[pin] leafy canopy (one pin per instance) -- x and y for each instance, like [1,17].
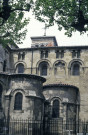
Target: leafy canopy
[72,15]
[12,21]
[13,30]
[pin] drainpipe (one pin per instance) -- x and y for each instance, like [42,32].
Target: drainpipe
[32,62]
[7,106]
[8,99]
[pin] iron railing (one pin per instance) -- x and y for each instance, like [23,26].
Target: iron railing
[46,127]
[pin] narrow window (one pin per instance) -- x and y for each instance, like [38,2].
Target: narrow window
[0,97]
[42,54]
[19,56]
[4,66]
[57,54]
[46,54]
[43,70]
[55,109]
[76,70]
[78,54]
[62,54]
[20,68]
[23,55]
[18,101]
[73,54]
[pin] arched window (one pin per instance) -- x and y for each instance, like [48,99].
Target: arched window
[20,68]
[76,70]
[43,70]
[18,101]
[0,96]
[55,109]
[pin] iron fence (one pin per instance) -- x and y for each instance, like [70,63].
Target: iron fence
[46,127]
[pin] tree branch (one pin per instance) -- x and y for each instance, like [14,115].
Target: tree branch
[6,35]
[5,13]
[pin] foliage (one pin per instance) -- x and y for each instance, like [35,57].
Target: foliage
[71,15]
[12,21]
[12,31]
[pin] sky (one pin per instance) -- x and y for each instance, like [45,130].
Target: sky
[36,28]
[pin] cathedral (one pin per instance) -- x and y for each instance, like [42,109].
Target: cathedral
[45,81]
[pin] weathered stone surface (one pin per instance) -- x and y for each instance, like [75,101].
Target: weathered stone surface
[57,74]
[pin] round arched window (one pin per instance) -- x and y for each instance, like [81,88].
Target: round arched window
[43,70]
[43,67]
[20,68]
[55,109]
[18,101]
[76,70]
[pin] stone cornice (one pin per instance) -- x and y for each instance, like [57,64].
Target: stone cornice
[24,75]
[56,47]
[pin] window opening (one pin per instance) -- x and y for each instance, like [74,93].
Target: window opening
[42,54]
[4,66]
[76,69]
[76,54]
[19,56]
[23,55]
[0,96]
[43,71]
[59,54]
[55,109]
[20,68]
[18,101]
[46,54]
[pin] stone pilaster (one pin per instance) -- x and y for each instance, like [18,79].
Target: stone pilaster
[7,106]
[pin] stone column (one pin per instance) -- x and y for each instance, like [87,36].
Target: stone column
[7,109]
[7,106]
[77,119]
[64,112]
[64,116]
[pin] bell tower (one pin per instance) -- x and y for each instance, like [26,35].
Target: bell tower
[44,41]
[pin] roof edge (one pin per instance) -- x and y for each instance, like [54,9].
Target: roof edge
[60,85]
[24,75]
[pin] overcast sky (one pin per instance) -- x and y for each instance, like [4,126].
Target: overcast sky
[35,28]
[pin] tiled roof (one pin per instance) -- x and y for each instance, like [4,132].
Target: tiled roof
[59,84]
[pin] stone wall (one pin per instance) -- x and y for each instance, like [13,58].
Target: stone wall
[68,96]
[33,59]
[4,59]
[30,86]
[31,89]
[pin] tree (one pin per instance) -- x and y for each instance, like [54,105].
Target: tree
[72,15]
[12,21]
[9,6]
